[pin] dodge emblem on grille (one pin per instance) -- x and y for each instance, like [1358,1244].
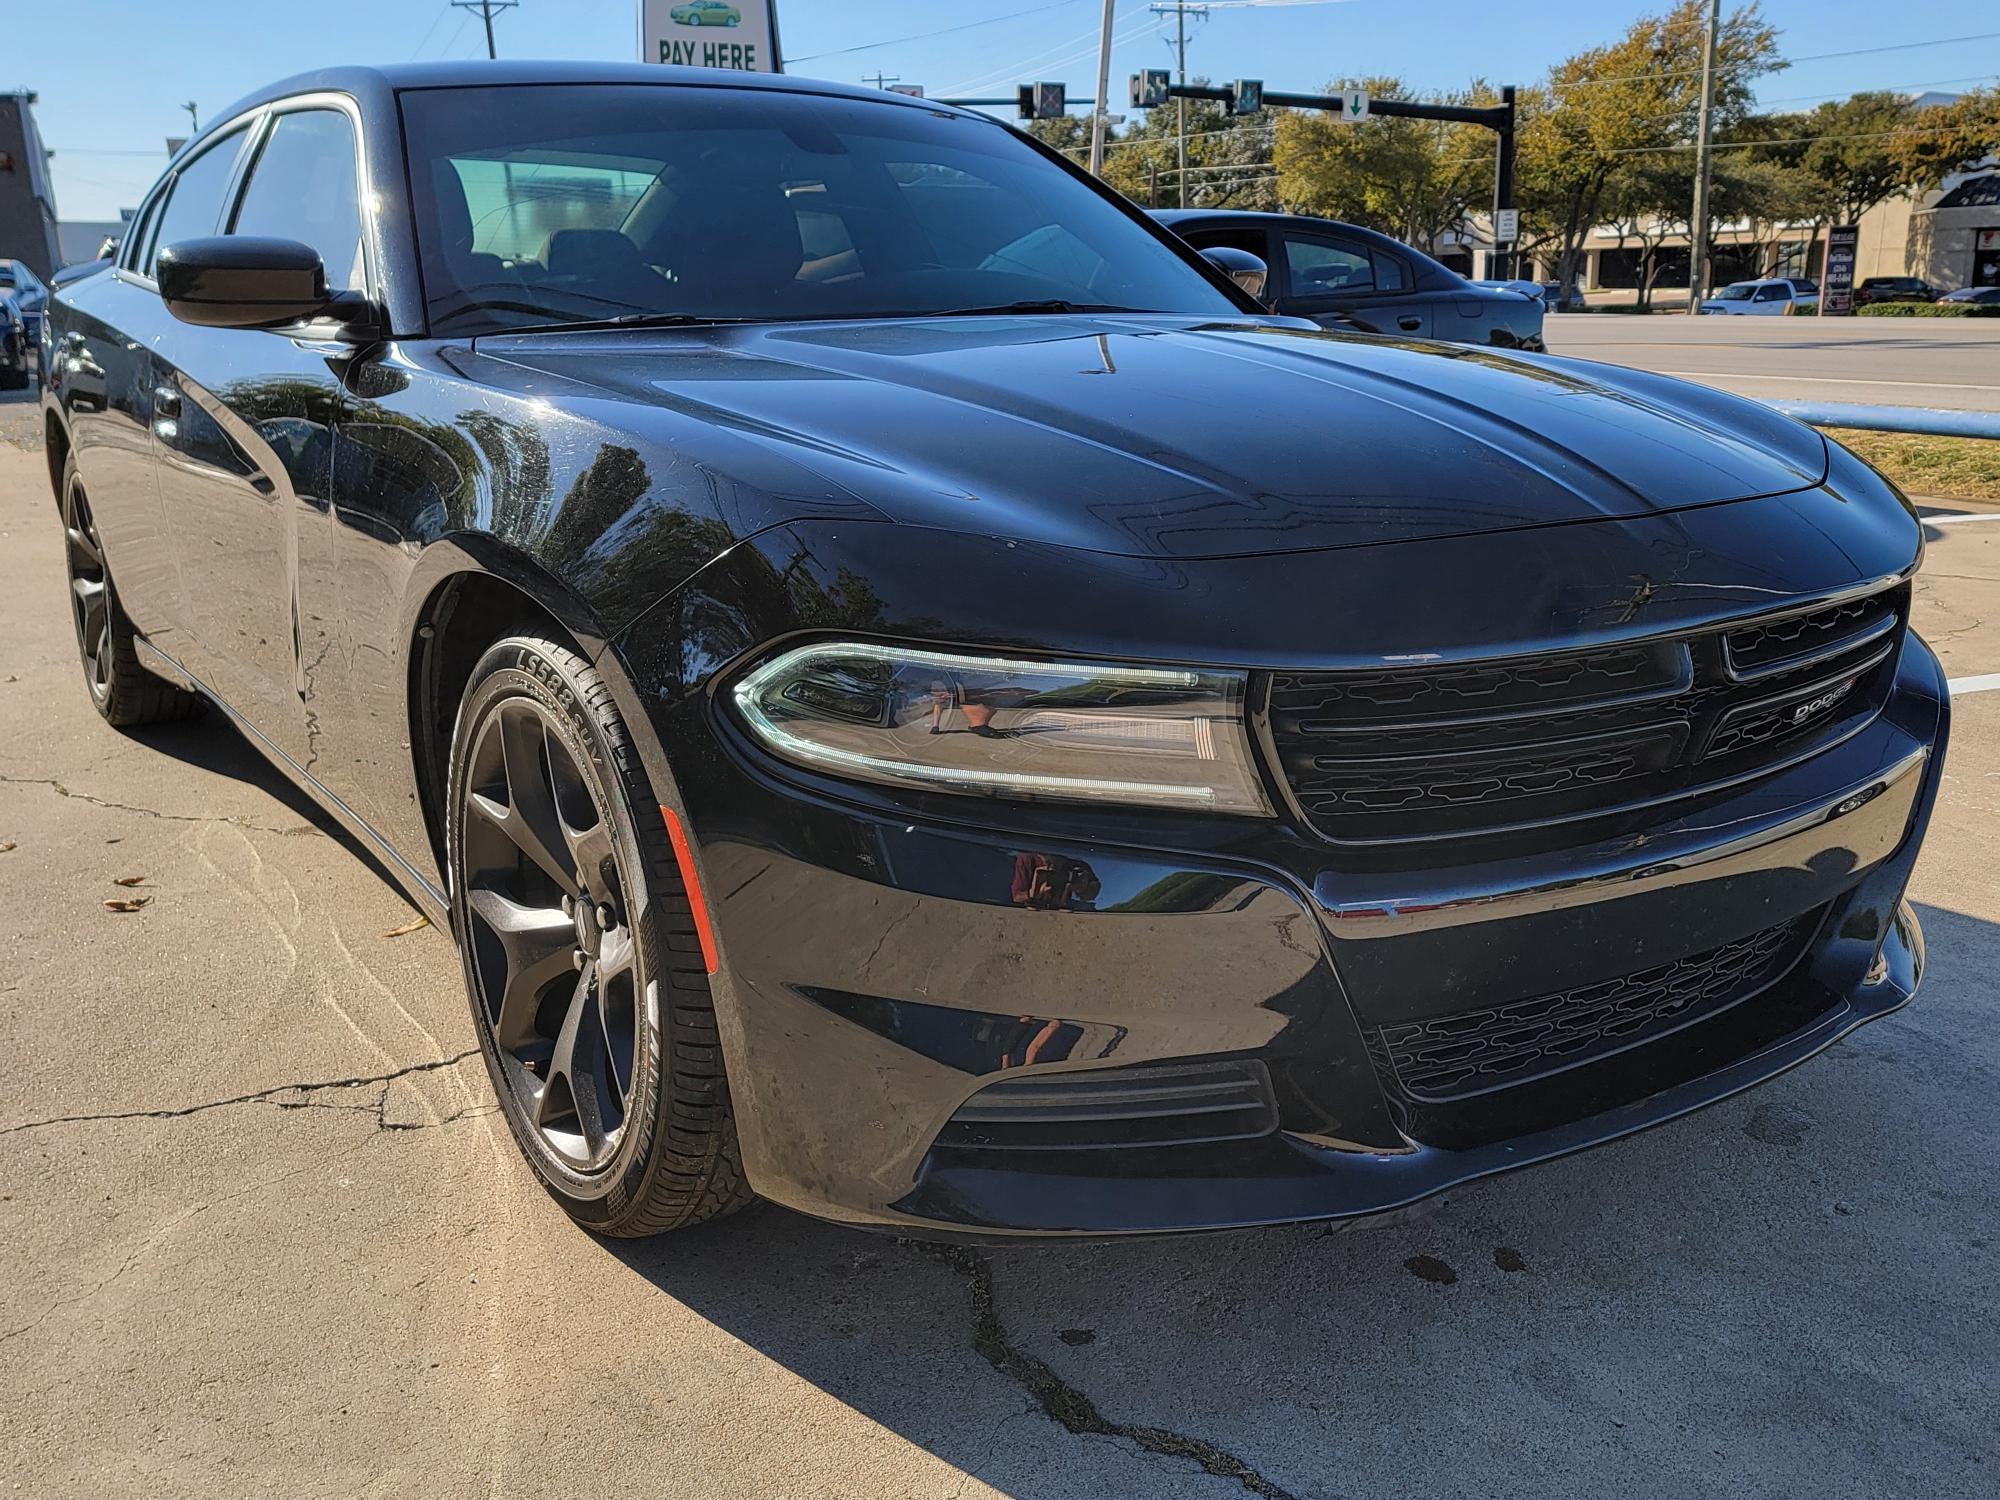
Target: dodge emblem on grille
[1822,703]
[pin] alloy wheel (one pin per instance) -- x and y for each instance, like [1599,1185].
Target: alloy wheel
[555,966]
[89,593]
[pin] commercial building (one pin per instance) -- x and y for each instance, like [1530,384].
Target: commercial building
[27,198]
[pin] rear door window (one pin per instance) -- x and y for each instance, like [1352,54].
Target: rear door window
[1326,268]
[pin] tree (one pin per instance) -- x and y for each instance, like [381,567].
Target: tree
[1844,153]
[1642,93]
[1229,158]
[1414,179]
[1946,138]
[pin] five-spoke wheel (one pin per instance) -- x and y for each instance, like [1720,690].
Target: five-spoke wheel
[555,957]
[588,984]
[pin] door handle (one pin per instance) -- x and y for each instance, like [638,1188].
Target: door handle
[166,401]
[1409,324]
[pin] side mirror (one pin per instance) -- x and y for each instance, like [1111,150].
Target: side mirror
[237,281]
[1240,266]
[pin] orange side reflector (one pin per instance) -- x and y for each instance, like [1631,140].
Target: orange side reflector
[697,903]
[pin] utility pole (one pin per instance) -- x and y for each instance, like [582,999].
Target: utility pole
[1102,107]
[883,80]
[486,10]
[1698,240]
[1181,10]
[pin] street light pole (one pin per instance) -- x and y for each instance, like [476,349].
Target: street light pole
[1698,239]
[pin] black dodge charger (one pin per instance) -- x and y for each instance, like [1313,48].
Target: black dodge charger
[917,699]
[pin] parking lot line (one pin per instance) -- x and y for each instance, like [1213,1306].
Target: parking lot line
[1960,520]
[1985,683]
[1807,379]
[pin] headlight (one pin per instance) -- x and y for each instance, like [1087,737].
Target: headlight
[990,725]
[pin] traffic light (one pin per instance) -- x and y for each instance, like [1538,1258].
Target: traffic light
[1149,89]
[1246,96]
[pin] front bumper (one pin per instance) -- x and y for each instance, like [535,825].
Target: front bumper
[878,973]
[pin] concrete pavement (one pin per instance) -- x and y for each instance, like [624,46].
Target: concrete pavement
[1893,361]
[261,1231]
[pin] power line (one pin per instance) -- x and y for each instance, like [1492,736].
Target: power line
[1070,51]
[1793,140]
[1942,41]
[924,36]
[429,32]
[485,10]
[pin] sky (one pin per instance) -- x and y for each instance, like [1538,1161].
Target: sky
[113,74]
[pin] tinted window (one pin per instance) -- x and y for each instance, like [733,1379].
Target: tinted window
[1322,268]
[1772,294]
[1247,239]
[1389,275]
[302,188]
[540,203]
[194,203]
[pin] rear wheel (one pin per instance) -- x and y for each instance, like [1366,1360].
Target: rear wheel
[588,987]
[124,692]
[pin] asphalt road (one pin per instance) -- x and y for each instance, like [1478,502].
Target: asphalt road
[1893,361]
[261,1231]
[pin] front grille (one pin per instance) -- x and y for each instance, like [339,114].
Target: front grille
[1476,1051]
[1427,752]
[1154,1104]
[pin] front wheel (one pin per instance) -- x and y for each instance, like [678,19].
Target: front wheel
[588,986]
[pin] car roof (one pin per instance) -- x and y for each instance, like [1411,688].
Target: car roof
[1177,216]
[378,81]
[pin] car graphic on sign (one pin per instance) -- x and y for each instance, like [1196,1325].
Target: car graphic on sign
[706,13]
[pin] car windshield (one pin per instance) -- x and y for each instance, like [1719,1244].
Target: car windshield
[555,204]
[1738,291]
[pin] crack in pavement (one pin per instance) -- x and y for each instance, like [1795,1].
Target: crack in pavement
[270,1096]
[299,830]
[1063,1402]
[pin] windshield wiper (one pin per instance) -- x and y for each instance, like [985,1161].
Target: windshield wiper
[628,320]
[1031,305]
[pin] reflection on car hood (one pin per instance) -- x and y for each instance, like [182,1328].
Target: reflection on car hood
[1173,438]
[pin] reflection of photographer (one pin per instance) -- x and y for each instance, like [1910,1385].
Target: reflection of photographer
[975,703]
[1049,882]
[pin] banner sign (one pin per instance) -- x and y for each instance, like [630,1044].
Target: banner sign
[1985,257]
[1836,288]
[739,34]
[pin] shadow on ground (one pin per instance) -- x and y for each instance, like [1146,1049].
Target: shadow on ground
[1714,1300]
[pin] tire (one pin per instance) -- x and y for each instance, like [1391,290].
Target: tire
[582,964]
[121,690]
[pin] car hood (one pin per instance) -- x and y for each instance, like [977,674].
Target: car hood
[1173,438]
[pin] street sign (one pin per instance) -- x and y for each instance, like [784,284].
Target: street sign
[1246,96]
[1506,225]
[737,34]
[1837,286]
[1149,89]
[1041,101]
[911,90]
[1353,106]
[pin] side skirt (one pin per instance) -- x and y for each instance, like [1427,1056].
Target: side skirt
[429,899]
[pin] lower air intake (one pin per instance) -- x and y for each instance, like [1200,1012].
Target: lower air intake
[1155,1104]
[1473,1052]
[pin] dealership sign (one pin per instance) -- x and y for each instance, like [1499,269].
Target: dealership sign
[739,34]
[1843,241]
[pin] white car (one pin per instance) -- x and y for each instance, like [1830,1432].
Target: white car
[1770,298]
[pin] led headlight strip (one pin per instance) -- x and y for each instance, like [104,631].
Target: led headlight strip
[1006,726]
